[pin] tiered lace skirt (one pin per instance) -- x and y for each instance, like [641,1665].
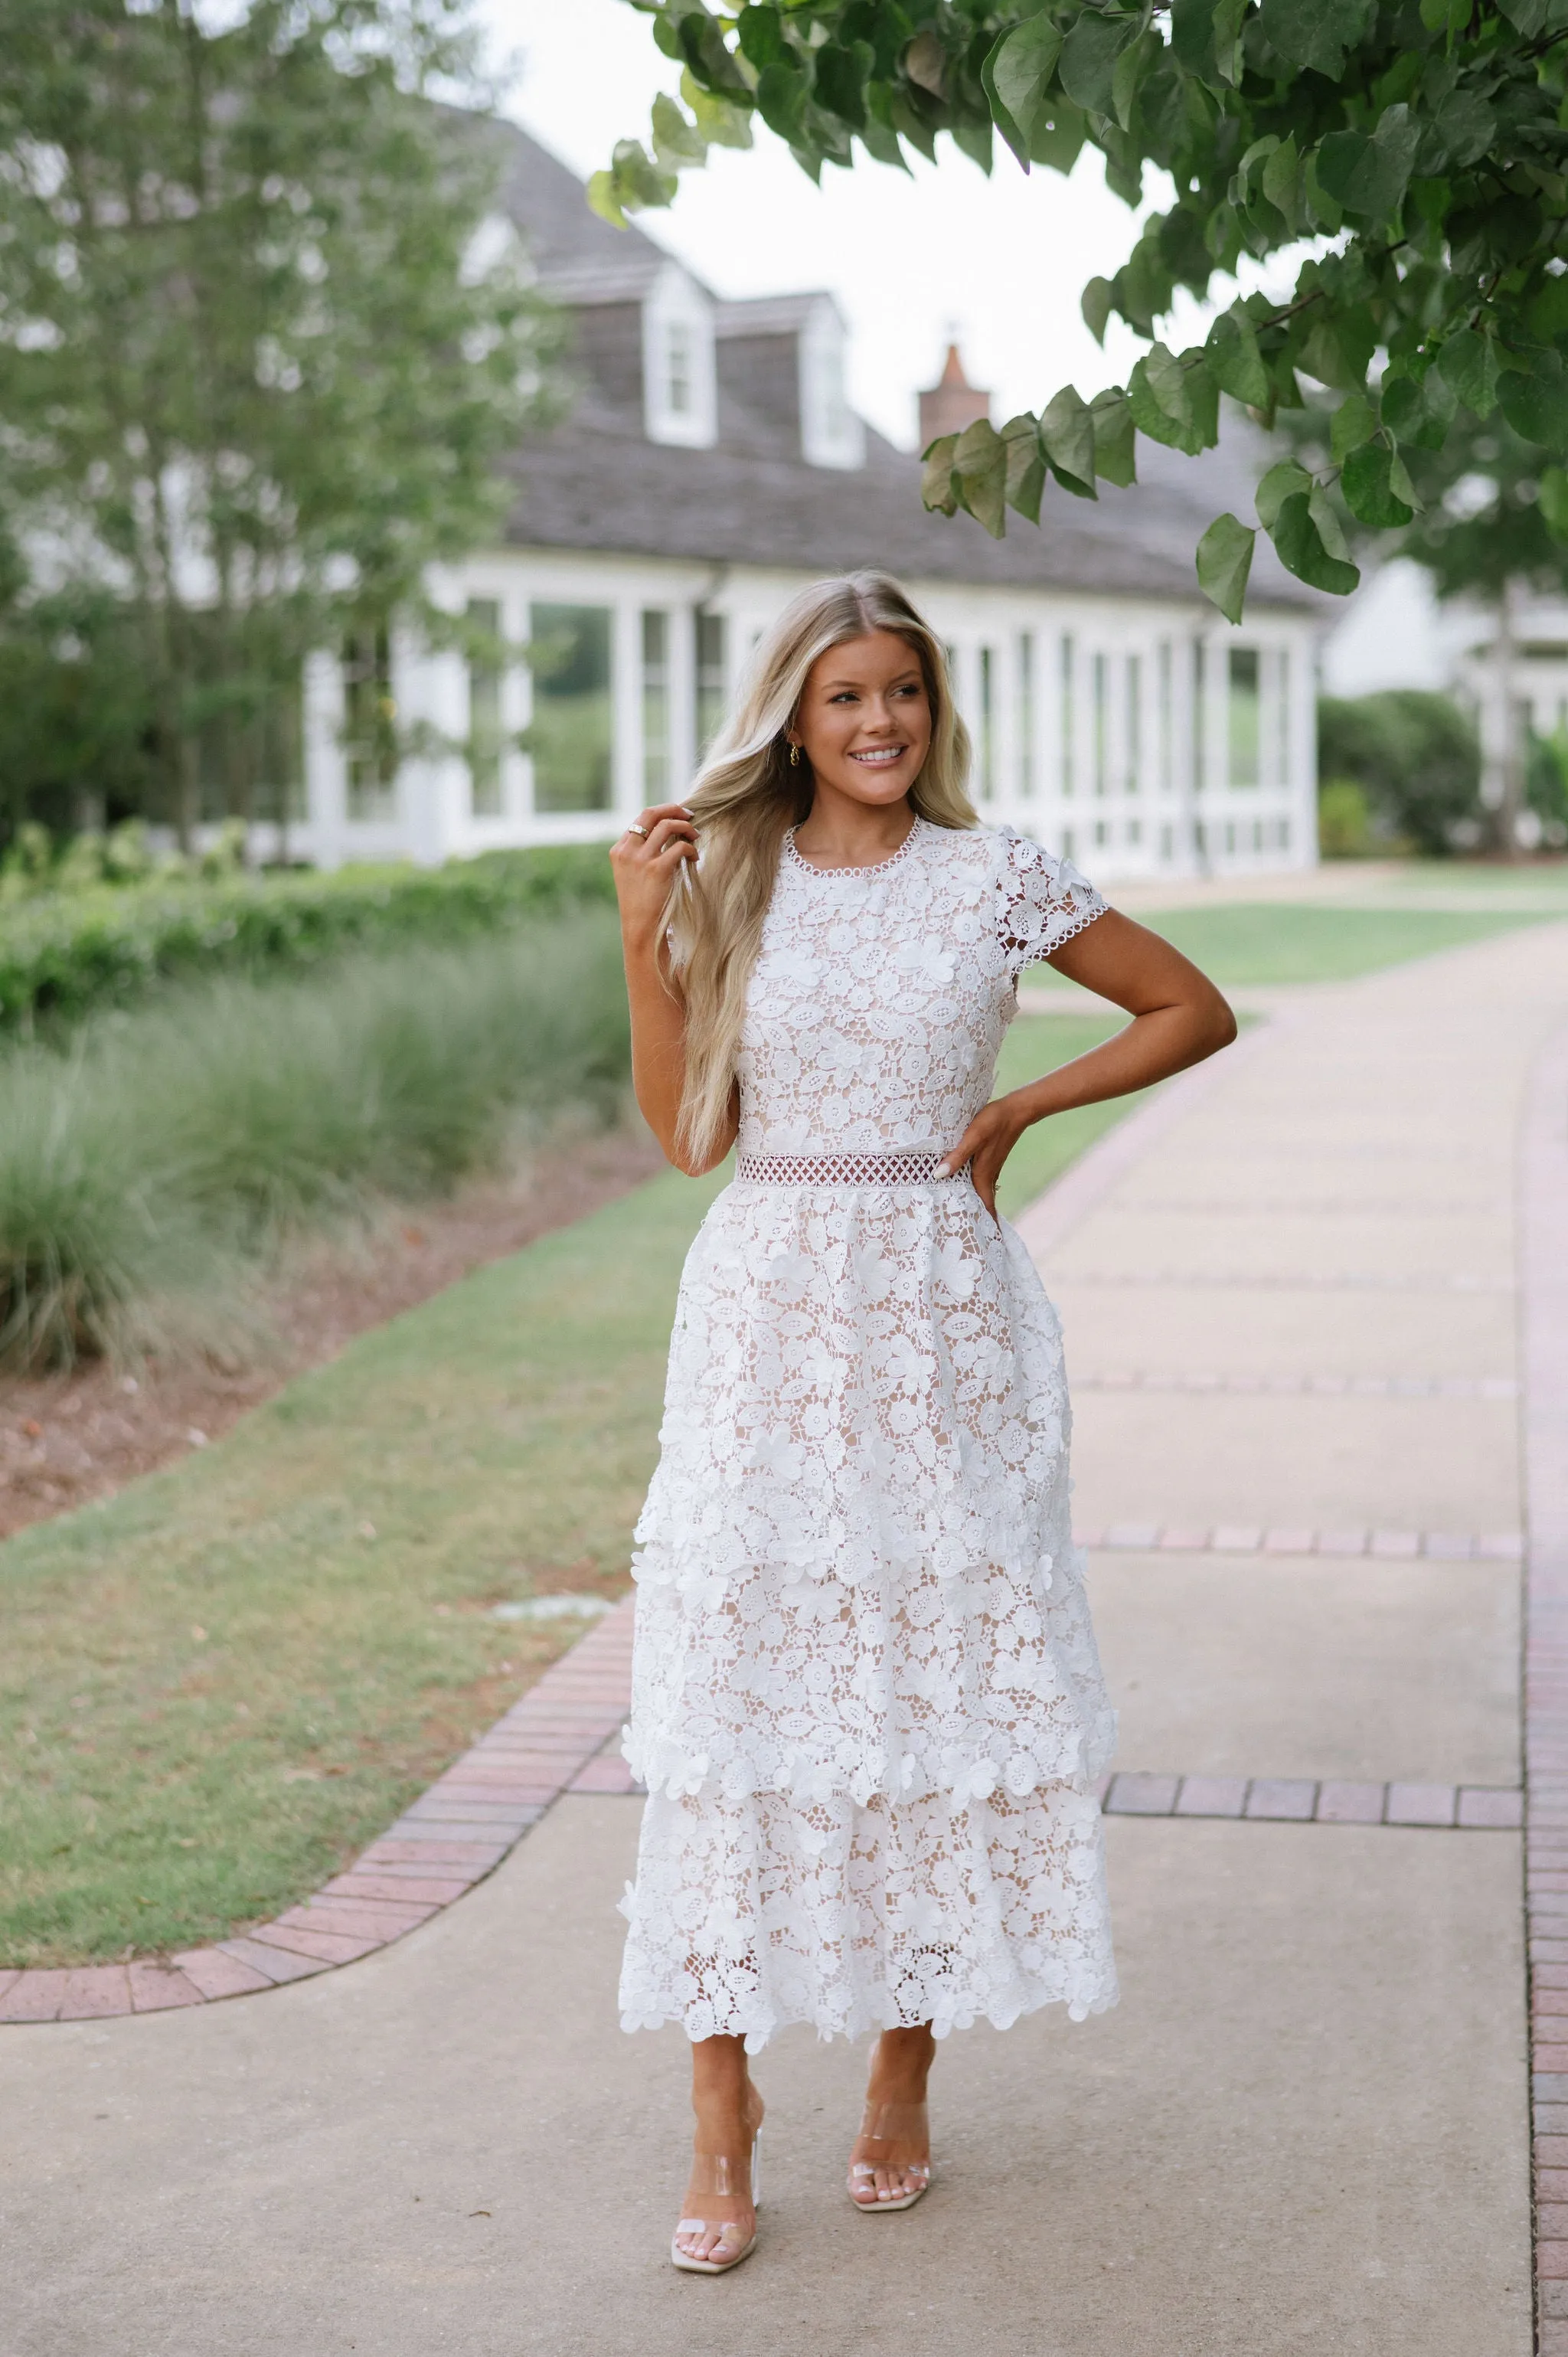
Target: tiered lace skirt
[866,1699]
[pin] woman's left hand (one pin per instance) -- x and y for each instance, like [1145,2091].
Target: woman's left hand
[986,1146]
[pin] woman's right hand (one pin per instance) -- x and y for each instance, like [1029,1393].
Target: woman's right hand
[645,860]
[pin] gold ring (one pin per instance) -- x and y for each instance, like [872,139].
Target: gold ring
[639,830]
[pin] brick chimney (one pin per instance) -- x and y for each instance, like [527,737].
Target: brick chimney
[951,403]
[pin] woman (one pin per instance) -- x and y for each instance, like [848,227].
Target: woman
[867,1700]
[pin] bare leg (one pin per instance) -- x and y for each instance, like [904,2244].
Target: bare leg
[899,2162]
[729,2112]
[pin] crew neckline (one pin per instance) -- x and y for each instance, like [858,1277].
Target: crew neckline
[876,867]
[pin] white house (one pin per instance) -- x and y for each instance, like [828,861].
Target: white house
[711,464]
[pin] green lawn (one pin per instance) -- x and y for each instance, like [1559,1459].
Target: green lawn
[1266,941]
[219,1685]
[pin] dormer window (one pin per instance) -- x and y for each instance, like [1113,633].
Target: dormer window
[679,399]
[831,433]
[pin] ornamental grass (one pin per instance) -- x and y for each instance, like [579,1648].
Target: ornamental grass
[152,1169]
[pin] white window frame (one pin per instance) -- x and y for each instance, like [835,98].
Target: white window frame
[677,317]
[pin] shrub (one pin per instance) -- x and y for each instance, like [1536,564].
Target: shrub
[1344,821]
[64,954]
[143,1170]
[1416,756]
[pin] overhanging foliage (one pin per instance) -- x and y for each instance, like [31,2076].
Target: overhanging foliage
[1416,148]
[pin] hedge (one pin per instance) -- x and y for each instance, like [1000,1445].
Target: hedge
[65,954]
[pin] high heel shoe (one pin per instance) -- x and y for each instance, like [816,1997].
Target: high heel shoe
[891,2123]
[714,2172]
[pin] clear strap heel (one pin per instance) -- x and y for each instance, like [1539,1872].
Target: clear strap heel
[715,2173]
[889,2124]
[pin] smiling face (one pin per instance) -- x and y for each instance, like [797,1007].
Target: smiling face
[865,720]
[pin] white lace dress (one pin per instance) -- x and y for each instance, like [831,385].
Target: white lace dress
[867,1700]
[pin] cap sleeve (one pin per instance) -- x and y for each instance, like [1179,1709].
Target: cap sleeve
[1041,901]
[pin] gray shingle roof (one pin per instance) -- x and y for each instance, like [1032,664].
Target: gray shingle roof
[597,483]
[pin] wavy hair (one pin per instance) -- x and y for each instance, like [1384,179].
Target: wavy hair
[745,798]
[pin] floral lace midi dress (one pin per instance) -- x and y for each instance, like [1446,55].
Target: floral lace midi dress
[867,1700]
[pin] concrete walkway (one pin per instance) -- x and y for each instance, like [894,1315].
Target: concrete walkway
[1303,2134]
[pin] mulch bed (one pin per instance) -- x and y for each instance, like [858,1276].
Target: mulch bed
[68,1439]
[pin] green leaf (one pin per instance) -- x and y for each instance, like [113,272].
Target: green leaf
[1131,68]
[1095,304]
[1553,501]
[675,141]
[1017,75]
[603,200]
[1369,177]
[1299,546]
[935,482]
[1537,407]
[1227,22]
[1314,33]
[761,34]
[1354,423]
[839,76]
[1175,401]
[1282,182]
[1026,468]
[1401,484]
[1469,366]
[1058,134]
[1282,482]
[781,102]
[1224,562]
[1115,456]
[1321,509]
[1089,56]
[1067,436]
[705,50]
[1369,493]
[1235,360]
[980,475]
[720,122]
[1339,348]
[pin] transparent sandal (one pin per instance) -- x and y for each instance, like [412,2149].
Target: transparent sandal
[714,2172]
[890,2124]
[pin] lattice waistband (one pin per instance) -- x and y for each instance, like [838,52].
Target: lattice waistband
[838,1169]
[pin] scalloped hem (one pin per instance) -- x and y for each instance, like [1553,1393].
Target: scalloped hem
[869,2019]
[685,1779]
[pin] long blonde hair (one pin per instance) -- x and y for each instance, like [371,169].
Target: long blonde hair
[747,795]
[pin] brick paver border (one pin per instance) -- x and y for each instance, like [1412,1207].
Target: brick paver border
[1258,1538]
[454,1835]
[1545,1240]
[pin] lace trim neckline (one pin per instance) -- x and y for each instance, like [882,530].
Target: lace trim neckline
[877,867]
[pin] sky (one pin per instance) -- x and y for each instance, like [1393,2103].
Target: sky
[1001,263]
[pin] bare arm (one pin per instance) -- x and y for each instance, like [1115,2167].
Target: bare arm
[1178,1018]
[646,864]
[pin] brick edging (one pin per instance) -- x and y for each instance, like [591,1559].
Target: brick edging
[1543,1207]
[455,1834]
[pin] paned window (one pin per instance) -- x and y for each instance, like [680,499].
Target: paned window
[485,709]
[1102,693]
[1243,722]
[655,705]
[370,725]
[711,680]
[1134,749]
[987,730]
[1164,715]
[1068,712]
[572,734]
[1025,713]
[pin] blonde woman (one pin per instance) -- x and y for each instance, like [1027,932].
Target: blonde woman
[867,1704]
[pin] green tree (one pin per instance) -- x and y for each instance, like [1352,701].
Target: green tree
[1487,524]
[256,371]
[1413,755]
[1415,148]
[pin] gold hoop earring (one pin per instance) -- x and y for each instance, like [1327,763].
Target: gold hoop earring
[794,757]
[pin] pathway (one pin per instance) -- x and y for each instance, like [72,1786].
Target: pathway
[1303,2134]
